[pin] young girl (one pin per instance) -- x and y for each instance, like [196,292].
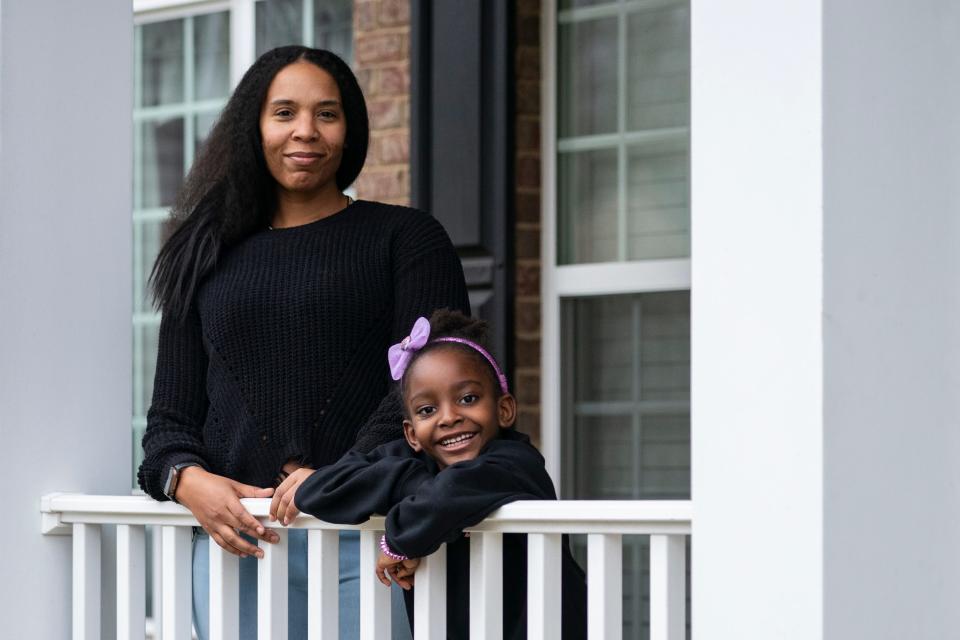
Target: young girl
[460,460]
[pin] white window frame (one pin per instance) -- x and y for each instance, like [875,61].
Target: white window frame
[579,280]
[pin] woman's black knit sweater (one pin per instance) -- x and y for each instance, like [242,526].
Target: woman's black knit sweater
[283,354]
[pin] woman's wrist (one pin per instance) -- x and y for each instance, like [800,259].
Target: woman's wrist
[188,478]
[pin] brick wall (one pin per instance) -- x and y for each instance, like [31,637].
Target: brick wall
[381,31]
[527,204]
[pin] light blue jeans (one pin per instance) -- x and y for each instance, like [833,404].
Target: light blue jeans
[296,591]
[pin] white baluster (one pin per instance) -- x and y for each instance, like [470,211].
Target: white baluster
[604,587]
[272,590]
[486,585]
[224,593]
[86,581]
[131,582]
[543,586]
[667,587]
[177,581]
[374,597]
[323,584]
[156,595]
[430,597]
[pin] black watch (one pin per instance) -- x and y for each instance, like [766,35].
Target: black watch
[173,479]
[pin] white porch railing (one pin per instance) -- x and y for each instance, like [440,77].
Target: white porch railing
[605,522]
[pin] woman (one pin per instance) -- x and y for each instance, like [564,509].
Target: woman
[280,297]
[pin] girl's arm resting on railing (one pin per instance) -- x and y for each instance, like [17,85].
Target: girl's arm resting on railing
[465,493]
[362,484]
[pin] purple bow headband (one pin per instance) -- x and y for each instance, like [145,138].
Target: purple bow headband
[400,354]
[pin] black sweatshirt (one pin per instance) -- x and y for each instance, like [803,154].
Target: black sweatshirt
[426,507]
[283,354]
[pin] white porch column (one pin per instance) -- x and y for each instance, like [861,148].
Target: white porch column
[891,327]
[825,319]
[65,289]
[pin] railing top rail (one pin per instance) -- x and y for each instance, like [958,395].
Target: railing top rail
[534,516]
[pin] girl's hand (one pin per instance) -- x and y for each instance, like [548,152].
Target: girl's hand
[215,502]
[401,571]
[282,507]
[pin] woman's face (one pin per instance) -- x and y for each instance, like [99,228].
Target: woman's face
[303,128]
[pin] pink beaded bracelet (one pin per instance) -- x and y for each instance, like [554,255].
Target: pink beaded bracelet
[387,551]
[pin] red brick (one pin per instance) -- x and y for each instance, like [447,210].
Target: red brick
[528,133]
[394,80]
[378,184]
[365,80]
[528,422]
[394,13]
[385,114]
[528,7]
[528,172]
[528,387]
[527,244]
[527,317]
[527,207]
[528,97]
[392,148]
[364,15]
[528,279]
[528,30]
[373,47]
[527,63]
[527,353]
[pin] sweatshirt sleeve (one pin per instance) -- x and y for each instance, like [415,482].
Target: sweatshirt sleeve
[465,493]
[427,275]
[360,485]
[179,406]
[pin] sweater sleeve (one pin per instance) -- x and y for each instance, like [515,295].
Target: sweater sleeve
[427,275]
[465,493]
[361,484]
[179,406]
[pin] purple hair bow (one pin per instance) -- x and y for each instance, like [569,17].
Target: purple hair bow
[399,354]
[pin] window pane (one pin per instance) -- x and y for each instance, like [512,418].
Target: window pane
[587,100]
[626,418]
[149,333]
[658,211]
[162,74]
[587,196]
[603,368]
[576,4]
[204,123]
[279,22]
[162,160]
[658,68]
[333,27]
[211,75]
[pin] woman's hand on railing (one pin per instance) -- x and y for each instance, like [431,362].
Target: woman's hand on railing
[215,503]
[282,507]
[401,571]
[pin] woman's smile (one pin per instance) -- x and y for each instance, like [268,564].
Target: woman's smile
[305,158]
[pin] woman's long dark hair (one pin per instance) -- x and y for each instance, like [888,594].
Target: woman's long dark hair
[229,192]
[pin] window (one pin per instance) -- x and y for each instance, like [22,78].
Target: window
[616,270]
[187,58]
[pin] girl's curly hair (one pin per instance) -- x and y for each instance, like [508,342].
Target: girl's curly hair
[229,193]
[446,323]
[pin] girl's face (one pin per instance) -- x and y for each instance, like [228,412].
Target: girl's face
[453,406]
[303,128]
